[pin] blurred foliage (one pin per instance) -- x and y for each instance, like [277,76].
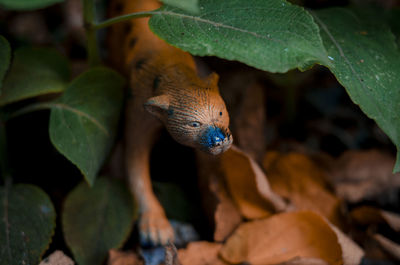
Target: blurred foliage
[359,47]
[97,219]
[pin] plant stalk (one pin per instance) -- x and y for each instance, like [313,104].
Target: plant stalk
[114,20]
[30,108]
[88,19]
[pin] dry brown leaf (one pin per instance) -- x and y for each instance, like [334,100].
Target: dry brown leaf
[389,246]
[358,175]
[226,216]
[248,185]
[218,205]
[171,255]
[352,254]
[117,257]
[366,215]
[57,258]
[201,253]
[296,177]
[281,238]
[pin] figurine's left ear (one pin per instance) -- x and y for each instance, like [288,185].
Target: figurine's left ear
[158,106]
[212,81]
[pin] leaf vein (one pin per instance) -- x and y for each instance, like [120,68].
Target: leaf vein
[216,24]
[81,113]
[341,52]
[91,165]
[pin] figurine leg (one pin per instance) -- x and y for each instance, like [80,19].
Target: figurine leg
[141,131]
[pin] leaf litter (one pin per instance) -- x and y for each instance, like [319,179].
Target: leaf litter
[288,209]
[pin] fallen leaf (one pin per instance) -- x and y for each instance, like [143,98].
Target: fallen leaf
[359,175]
[352,254]
[296,177]
[248,185]
[389,246]
[366,215]
[117,257]
[226,216]
[57,258]
[220,209]
[171,255]
[281,238]
[201,253]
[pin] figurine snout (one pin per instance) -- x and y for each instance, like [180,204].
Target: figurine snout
[216,140]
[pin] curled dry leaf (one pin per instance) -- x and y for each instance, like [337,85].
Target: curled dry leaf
[283,237]
[248,185]
[352,254]
[366,215]
[359,175]
[117,257]
[226,215]
[220,208]
[296,177]
[389,246]
[201,253]
[57,258]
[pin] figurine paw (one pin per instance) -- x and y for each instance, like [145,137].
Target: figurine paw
[155,229]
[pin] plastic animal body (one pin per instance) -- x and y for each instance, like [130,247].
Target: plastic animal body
[164,90]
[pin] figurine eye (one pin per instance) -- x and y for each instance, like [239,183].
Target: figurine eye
[194,124]
[220,114]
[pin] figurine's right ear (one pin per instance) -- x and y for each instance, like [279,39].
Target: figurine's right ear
[157,106]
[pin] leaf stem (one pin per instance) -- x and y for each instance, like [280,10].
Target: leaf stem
[88,18]
[30,108]
[126,17]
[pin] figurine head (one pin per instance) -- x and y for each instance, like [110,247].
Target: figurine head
[196,116]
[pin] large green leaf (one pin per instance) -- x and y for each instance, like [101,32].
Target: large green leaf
[34,72]
[97,219]
[188,5]
[27,222]
[27,4]
[83,121]
[366,62]
[271,35]
[5,56]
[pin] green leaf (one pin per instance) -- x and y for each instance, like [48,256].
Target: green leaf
[27,4]
[5,56]
[84,120]
[366,62]
[271,35]
[187,5]
[27,222]
[34,72]
[97,219]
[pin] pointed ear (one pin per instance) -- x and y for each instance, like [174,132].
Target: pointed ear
[157,105]
[212,81]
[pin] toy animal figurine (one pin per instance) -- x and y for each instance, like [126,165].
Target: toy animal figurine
[165,89]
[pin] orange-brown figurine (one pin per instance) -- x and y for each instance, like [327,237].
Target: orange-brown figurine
[165,89]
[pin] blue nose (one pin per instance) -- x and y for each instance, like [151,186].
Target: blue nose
[213,136]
